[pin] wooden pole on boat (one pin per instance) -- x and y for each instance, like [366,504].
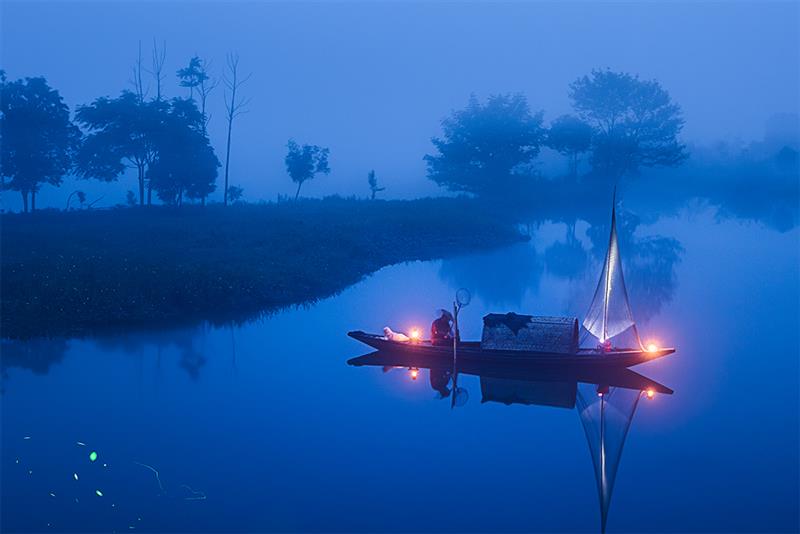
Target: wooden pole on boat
[463,298]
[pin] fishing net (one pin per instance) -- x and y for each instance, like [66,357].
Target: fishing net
[610,313]
[606,419]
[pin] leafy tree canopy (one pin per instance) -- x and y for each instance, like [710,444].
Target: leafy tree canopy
[303,163]
[636,121]
[570,136]
[37,138]
[185,163]
[485,144]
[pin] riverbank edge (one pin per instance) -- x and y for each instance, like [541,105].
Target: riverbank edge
[78,274]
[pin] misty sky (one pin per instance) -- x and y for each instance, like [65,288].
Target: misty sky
[371,81]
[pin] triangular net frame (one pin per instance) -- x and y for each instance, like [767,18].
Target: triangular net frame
[606,420]
[610,312]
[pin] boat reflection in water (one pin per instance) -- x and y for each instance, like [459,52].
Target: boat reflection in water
[605,398]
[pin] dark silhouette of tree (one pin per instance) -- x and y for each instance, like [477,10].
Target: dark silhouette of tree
[81,198]
[185,163]
[483,145]
[196,78]
[571,137]
[302,163]
[234,106]
[157,62]
[37,138]
[636,122]
[123,132]
[235,193]
[373,184]
[137,81]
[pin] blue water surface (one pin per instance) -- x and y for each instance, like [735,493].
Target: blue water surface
[264,426]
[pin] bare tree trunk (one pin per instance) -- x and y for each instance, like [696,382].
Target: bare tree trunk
[299,184]
[158,59]
[24,201]
[33,200]
[149,193]
[234,108]
[140,169]
[228,158]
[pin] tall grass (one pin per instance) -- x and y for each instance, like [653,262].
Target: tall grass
[78,272]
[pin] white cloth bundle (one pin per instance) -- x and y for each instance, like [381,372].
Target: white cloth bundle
[394,336]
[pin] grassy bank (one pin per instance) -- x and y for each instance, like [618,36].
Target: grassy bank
[80,272]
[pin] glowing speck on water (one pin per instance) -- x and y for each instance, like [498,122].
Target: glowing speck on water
[30,472]
[52,494]
[99,493]
[27,437]
[93,456]
[82,444]
[75,476]
[17,460]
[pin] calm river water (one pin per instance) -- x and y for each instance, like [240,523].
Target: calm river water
[265,427]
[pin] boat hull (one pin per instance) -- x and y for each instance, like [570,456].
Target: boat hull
[472,352]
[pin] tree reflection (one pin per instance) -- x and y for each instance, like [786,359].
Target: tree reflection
[649,263]
[500,277]
[36,355]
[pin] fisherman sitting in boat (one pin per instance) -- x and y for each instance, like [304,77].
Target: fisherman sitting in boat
[442,328]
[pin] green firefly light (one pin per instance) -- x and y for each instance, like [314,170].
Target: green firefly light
[93,456]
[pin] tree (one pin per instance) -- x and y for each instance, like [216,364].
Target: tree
[122,133]
[637,123]
[484,145]
[234,106]
[303,163]
[570,136]
[373,184]
[158,59]
[185,163]
[196,78]
[38,138]
[235,193]
[81,198]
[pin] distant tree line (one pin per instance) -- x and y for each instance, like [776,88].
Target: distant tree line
[488,148]
[623,122]
[164,139]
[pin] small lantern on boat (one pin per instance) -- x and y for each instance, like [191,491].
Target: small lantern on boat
[415,335]
[413,372]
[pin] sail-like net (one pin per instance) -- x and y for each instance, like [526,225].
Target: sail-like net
[610,311]
[606,419]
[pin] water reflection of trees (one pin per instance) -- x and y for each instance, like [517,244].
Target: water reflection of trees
[191,359]
[39,354]
[566,259]
[36,355]
[497,277]
[504,276]
[649,263]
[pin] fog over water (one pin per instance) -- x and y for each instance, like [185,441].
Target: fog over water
[372,81]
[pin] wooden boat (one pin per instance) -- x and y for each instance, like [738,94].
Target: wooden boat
[423,354]
[546,341]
